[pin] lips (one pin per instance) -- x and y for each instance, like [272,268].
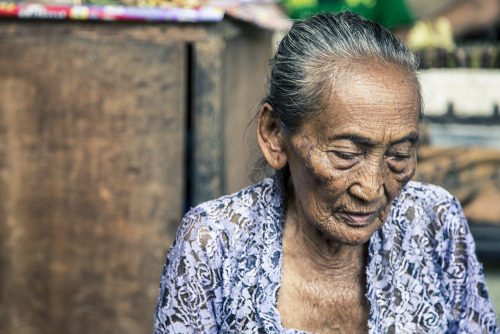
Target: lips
[359,219]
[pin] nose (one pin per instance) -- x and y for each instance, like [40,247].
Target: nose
[369,185]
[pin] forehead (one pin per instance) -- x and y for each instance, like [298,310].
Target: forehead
[372,99]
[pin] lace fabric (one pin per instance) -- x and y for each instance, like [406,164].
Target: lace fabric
[223,272]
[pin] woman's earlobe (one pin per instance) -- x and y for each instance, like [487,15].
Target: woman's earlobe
[270,138]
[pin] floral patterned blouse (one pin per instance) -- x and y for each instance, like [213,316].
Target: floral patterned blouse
[223,272]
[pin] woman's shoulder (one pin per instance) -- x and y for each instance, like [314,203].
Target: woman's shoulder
[229,208]
[421,206]
[427,217]
[427,199]
[425,193]
[233,217]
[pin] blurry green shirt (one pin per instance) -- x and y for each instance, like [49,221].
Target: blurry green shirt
[388,13]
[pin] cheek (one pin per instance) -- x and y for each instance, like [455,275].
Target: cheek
[327,180]
[407,174]
[316,183]
[396,181]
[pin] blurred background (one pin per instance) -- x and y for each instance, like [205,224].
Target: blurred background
[117,116]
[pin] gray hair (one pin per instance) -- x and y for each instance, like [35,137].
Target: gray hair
[302,68]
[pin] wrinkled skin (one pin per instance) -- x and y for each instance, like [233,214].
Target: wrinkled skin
[346,166]
[350,162]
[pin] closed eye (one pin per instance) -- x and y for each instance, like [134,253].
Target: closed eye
[346,155]
[399,162]
[400,157]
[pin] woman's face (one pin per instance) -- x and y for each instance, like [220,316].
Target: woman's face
[348,164]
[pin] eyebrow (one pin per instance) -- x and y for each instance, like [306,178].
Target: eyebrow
[411,138]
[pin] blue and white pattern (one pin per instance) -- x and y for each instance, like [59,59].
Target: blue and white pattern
[223,271]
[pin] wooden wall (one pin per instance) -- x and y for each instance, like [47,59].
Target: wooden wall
[93,133]
[245,67]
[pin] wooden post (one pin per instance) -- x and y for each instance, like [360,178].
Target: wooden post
[91,175]
[92,161]
[207,118]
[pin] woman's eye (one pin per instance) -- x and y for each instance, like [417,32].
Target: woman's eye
[346,155]
[399,162]
[400,157]
[344,159]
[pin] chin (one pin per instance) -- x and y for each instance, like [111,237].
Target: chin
[357,242]
[355,236]
[350,238]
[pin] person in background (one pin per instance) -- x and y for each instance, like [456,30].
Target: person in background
[410,20]
[388,13]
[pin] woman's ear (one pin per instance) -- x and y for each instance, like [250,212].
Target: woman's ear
[271,138]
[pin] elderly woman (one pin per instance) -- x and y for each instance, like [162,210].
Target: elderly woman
[339,240]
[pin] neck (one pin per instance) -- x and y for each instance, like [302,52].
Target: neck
[310,249]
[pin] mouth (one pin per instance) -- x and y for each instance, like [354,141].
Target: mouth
[359,219]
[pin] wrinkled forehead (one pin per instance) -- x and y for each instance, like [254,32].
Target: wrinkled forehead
[349,71]
[374,80]
[379,99]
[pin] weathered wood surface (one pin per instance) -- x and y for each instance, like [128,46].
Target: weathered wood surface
[160,34]
[246,59]
[92,157]
[207,118]
[91,176]
[229,82]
